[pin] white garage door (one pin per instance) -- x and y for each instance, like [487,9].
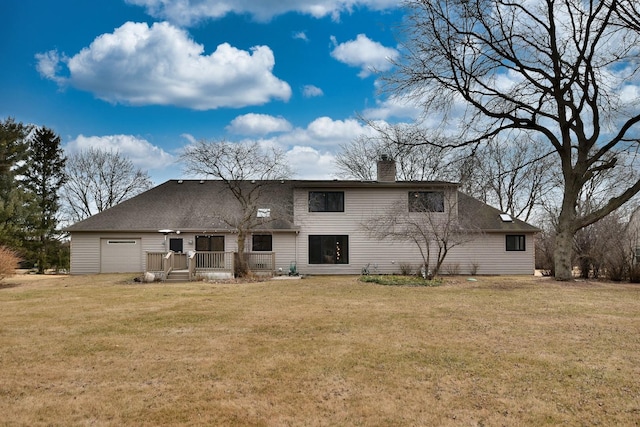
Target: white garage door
[120,256]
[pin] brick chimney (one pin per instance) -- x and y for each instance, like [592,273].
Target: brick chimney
[386,169]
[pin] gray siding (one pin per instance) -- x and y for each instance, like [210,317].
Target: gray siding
[86,250]
[86,247]
[284,245]
[487,250]
[85,253]
[361,203]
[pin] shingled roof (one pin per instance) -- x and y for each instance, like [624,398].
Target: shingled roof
[191,205]
[488,219]
[186,205]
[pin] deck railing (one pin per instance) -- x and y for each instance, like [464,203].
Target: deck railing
[165,262]
[260,261]
[154,261]
[214,261]
[192,265]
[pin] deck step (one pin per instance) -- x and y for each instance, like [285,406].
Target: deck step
[178,276]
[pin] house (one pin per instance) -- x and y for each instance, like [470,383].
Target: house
[318,226]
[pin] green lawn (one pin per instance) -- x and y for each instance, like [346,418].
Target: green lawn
[102,350]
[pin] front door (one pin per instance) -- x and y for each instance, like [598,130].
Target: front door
[175,245]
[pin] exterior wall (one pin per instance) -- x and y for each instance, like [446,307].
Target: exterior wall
[85,253]
[284,245]
[488,251]
[86,249]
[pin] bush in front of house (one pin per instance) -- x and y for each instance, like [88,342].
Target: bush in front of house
[473,268]
[8,262]
[394,280]
[406,269]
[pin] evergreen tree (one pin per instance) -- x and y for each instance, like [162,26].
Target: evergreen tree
[13,199]
[42,178]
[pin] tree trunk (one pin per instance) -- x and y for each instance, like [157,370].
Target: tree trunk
[42,255]
[563,251]
[562,255]
[241,265]
[567,220]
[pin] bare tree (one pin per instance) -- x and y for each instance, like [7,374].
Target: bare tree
[605,249]
[514,176]
[248,172]
[357,160]
[97,180]
[431,221]
[550,68]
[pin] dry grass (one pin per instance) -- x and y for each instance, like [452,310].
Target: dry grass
[100,350]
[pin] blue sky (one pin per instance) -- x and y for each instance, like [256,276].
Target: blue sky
[147,77]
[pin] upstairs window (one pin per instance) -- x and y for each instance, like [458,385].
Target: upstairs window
[426,201]
[515,242]
[326,201]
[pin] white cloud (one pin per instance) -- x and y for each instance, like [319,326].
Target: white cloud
[630,94]
[310,150]
[310,91]
[364,53]
[190,12]
[258,124]
[48,65]
[161,65]
[309,163]
[393,107]
[300,35]
[322,133]
[141,152]
[327,129]
[190,138]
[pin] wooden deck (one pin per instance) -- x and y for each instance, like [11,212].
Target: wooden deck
[205,263]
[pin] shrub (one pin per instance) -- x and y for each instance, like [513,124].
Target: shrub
[406,269]
[400,280]
[8,262]
[473,268]
[617,271]
[634,274]
[453,269]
